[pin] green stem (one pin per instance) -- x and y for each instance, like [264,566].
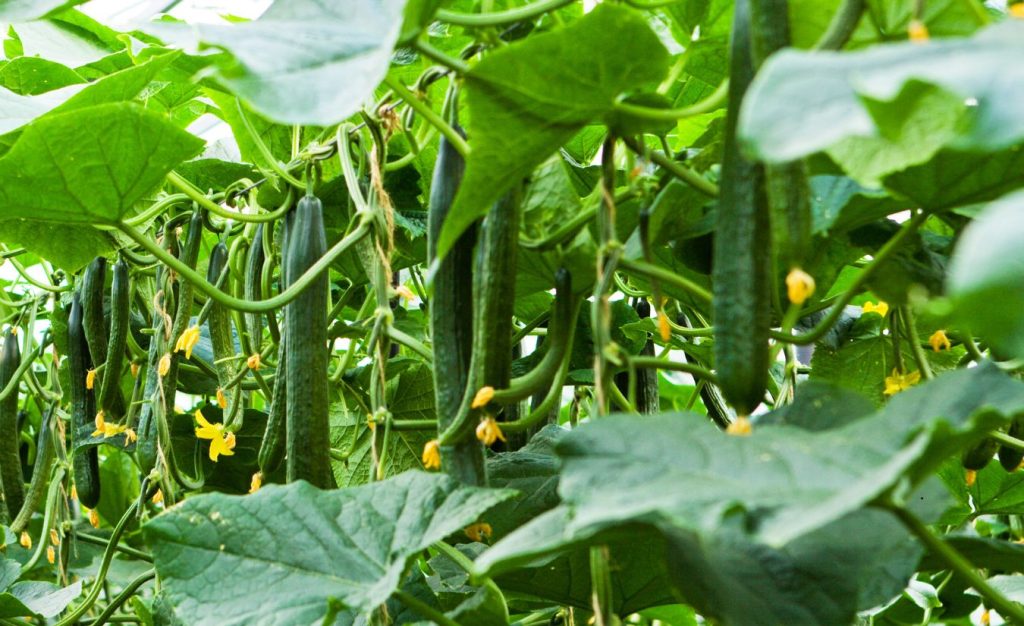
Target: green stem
[411,343]
[32,281]
[202,200]
[428,114]
[675,168]
[500,18]
[424,609]
[841,28]
[712,102]
[429,51]
[659,273]
[1007,440]
[248,306]
[126,550]
[122,597]
[675,366]
[1013,612]
[268,156]
[915,343]
[157,208]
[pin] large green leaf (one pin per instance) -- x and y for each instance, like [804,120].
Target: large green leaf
[32,598]
[529,98]
[214,552]
[985,275]
[304,62]
[868,94]
[25,10]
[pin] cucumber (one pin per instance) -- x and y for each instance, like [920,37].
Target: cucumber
[742,256]
[219,320]
[94,322]
[308,438]
[12,487]
[252,290]
[788,186]
[36,492]
[1010,458]
[450,306]
[275,437]
[86,464]
[120,321]
[978,457]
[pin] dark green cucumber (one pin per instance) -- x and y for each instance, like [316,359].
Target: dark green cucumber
[12,487]
[83,408]
[275,437]
[1010,458]
[494,284]
[219,320]
[788,187]
[742,255]
[308,447]
[36,492]
[252,289]
[977,457]
[450,306]
[94,322]
[120,322]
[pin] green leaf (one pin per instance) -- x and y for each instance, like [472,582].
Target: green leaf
[857,94]
[25,10]
[986,270]
[303,61]
[529,98]
[213,552]
[31,76]
[36,598]
[840,204]
[954,178]
[9,571]
[983,552]
[91,165]
[1012,587]
[120,481]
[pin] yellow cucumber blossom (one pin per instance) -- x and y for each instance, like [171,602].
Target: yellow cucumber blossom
[253,361]
[482,397]
[25,540]
[221,442]
[256,482]
[917,31]
[881,308]
[54,537]
[432,455]
[130,436]
[101,424]
[799,285]
[939,341]
[488,431]
[109,430]
[94,518]
[740,426]
[164,365]
[404,293]
[479,531]
[158,497]
[664,328]
[51,554]
[74,492]
[900,382]
[135,369]
[1017,10]
[90,379]
[222,401]
[188,340]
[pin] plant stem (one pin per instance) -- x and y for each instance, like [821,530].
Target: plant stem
[1011,610]
[190,191]
[659,273]
[675,168]
[712,102]
[500,18]
[915,343]
[268,156]
[429,51]
[122,597]
[841,28]
[428,114]
[654,362]
[424,609]
[126,550]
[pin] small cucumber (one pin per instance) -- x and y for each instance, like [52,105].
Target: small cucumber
[12,487]
[978,457]
[1010,458]
[83,408]
[120,322]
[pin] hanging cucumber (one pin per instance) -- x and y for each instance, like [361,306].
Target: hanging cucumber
[978,457]
[275,437]
[12,487]
[1010,458]
[83,407]
[252,289]
[94,321]
[742,256]
[219,320]
[120,321]
[450,306]
[308,438]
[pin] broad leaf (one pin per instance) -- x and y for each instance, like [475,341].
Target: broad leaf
[865,94]
[25,10]
[985,271]
[307,545]
[37,598]
[529,98]
[304,62]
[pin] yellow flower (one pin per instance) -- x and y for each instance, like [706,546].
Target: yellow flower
[158,497]
[165,365]
[664,329]
[799,286]
[482,397]
[129,437]
[432,454]
[939,341]
[101,424]
[51,554]
[1017,10]
[188,340]
[220,442]
[917,31]
[222,401]
[740,426]
[900,382]
[479,532]
[94,518]
[881,308]
[25,540]
[253,361]
[74,492]
[256,482]
[404,292]
[986,618]
[135,369]
[54,537]
[90,379]
[372,423]
[488,431]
